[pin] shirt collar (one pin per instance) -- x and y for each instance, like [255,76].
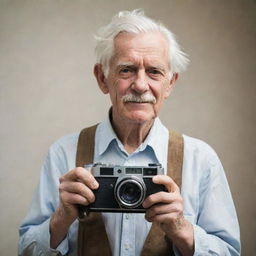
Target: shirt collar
[157,139]
[104,136]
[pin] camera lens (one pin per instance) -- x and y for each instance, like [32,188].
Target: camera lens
[130,193]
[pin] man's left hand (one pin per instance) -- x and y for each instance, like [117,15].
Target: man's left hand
[166,209]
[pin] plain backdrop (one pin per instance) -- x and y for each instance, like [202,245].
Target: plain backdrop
[47,90]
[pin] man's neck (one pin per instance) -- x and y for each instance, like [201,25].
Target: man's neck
[130,133]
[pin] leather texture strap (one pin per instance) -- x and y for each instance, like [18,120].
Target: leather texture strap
[157,243]
[85,146]
[92,235]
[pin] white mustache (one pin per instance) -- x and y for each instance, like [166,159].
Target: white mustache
[144,98]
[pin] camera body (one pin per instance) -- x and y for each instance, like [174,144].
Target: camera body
[123,188]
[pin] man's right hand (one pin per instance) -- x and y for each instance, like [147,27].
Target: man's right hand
[75,188]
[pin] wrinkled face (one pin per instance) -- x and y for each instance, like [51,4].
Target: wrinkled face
[139,77]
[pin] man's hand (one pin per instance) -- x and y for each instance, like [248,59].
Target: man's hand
[75,188]
[166,209]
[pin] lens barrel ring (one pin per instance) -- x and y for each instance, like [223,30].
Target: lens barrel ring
[127,188]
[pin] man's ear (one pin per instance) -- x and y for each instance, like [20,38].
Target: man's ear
[101,79]
[171,84]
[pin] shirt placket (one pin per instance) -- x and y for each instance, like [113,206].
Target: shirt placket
[128,227]
[128,235]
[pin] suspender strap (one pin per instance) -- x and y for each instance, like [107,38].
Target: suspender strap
[85,146]
[92,236]
[157,242]
[175,156]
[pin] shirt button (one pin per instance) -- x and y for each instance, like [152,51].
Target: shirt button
[127,216]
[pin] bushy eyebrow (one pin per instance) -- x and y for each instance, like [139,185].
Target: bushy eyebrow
[125,64]
[132,65]
[160,68]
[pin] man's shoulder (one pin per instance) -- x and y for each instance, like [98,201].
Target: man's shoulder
[201,157]
[65,143]
[194,142]
[198,147]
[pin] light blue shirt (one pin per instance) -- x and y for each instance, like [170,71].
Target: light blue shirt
[208,204]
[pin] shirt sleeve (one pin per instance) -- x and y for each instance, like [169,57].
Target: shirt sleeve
[216,230]
[34,231]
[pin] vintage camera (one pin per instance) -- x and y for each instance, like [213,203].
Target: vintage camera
[123,188]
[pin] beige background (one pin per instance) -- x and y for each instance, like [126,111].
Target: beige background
[47,90]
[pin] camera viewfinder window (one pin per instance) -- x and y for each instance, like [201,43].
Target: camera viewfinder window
[106,171]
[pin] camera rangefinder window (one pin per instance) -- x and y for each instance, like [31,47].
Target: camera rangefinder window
[133,170]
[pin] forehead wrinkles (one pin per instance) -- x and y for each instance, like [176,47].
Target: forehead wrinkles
[139,58]
[149,48]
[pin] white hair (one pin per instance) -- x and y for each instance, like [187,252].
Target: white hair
[136,22]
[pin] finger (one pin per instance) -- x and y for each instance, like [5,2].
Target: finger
[160,197]
[159,209]
[164,218]
[77,188]
[73,199]
[82,175]
[167,181]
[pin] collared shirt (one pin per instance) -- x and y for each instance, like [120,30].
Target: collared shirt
[208,204]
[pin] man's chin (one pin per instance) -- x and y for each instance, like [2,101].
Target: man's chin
[130,113]
[137,106]
[140,116]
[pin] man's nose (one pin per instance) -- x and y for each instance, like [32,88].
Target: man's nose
[140,83]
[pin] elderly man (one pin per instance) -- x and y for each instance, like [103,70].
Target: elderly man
[138,65]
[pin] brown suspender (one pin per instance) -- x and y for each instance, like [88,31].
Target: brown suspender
[92,236]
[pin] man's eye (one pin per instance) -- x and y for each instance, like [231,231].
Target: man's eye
[155,72]
[125,70]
